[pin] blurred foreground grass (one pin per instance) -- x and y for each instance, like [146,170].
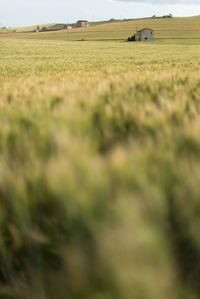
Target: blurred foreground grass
[99,171]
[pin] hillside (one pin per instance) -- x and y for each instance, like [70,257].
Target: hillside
[167,30]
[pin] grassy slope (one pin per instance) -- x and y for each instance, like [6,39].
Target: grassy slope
[30,28]
[178,29]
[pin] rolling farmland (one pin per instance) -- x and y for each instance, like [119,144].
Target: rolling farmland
[100,163]
[174,30]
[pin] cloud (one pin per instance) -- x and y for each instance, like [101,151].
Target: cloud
[161,2]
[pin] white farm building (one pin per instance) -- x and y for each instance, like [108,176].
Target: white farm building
[145,34]
[82,23]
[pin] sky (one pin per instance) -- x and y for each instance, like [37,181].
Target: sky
[28,12]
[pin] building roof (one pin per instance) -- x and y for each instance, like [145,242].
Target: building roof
[141,30]
[82,21]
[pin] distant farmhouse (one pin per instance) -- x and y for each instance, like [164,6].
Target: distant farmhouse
[144,35]
[82,23]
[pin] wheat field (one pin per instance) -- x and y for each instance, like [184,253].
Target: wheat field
[99,169]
